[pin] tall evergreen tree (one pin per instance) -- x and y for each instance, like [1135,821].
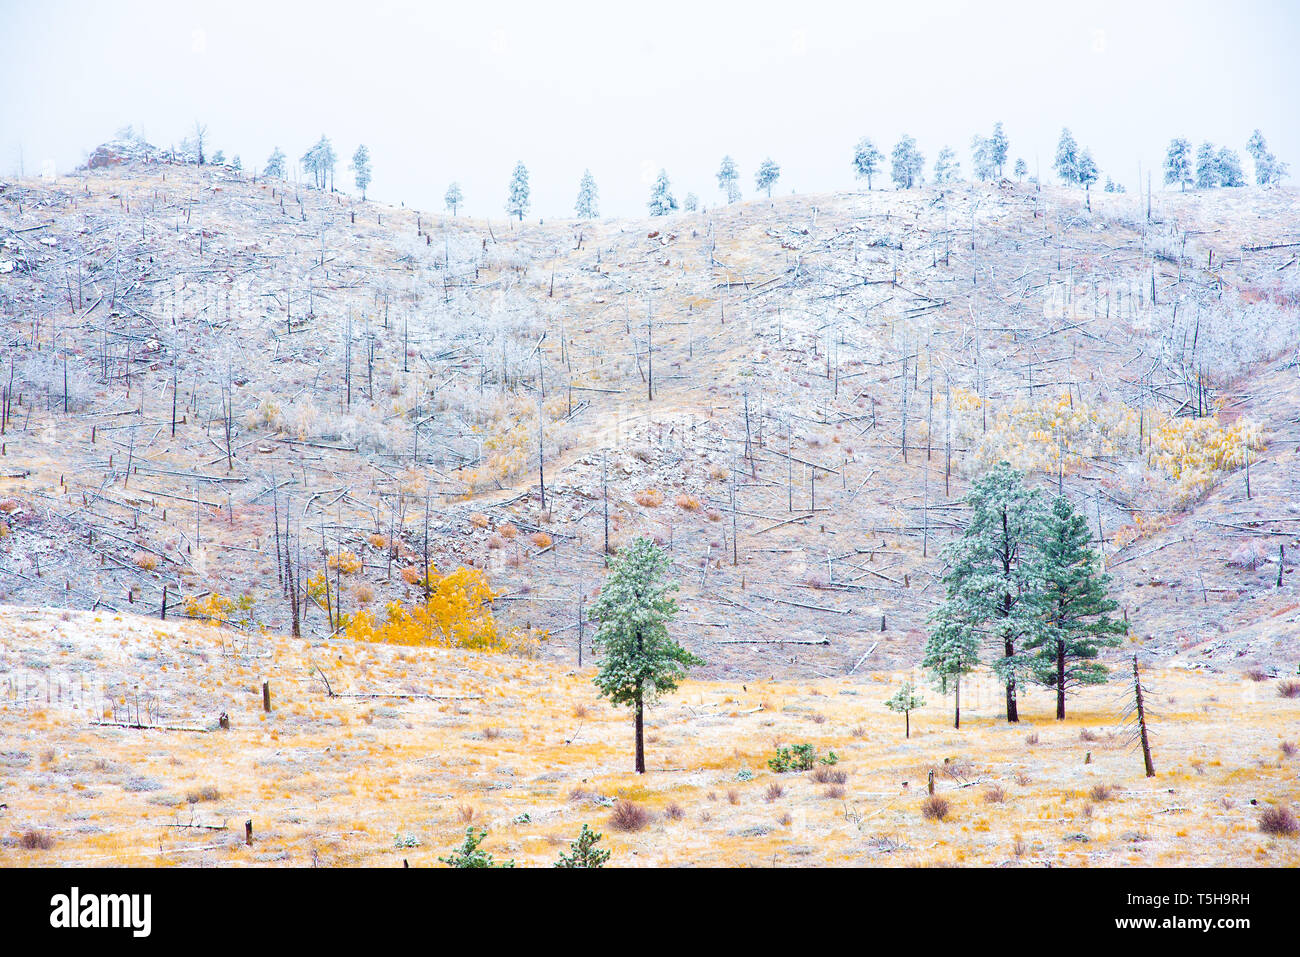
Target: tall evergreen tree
[662,202]
[1022,169]
[866,160]
[952,651]
[1067,159]
[517,198]
[1178,163]
[360,166]
[998,146]
[454,197]
[1207,166]
[981,153]
[691,203]
[587,205]
[729,179]
[639,661]
[947,168]
[275,164]
[906,163]
[1230,171]
[1075,606]
[1087,172]
[767,175]
[991,583]
[1267,167]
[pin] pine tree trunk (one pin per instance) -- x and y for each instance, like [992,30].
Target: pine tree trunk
[1013,716]
[640,739]
[907,723]
[956,723]
[1060,680]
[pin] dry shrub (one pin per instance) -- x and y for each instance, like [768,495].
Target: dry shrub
[814,579]
[785,820]
[1279,821]
[817,718]
[491,734]
[826,775]
[478,520]
[540,539]
[364,593]
[411,576]
[718,473]
[1086,735]
[858,732]
[208,792]
[1101,792]
[628,816]
[996,794]
[1289,749]
[377,541]
[836,792]
[1257,674]
[688,502]
[582,794]
[1249,555]
[145,561]
[1023,779]
[581,711]
[1031,739]
[674,812]
[733,796]
[507,531]
[774,791]
[1288,689]
[36,841]
[513,560]
[465,814]
[495,542]
[650,498]
[935,807]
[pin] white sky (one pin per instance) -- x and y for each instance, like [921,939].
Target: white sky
[460,91]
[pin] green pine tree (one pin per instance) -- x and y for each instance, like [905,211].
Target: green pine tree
[906,700]
[1075,606]
[583,852]
[639,660]
[992,583]
[951,651]
[469,854]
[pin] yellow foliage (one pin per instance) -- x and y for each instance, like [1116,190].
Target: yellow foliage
[346,562]
[650,497]
[216,609]
[688,502]
[458,614]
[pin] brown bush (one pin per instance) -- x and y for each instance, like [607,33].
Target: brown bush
[835,792]
[364,593]
[465,814]
[996,794]
[495,542]
[1101,792]
[145,561]
[411,576]
[650,497]
[825,775]
[674,812]
[1086,735]
[36,841]
[1279,821]
[540,539]
[688,502]
[507,531]
[628,816]
[1288,689]
[774,791]
[935,808]
[478,520]
[208,792]
[733,796]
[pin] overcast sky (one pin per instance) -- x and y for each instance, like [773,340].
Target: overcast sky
[442,91]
